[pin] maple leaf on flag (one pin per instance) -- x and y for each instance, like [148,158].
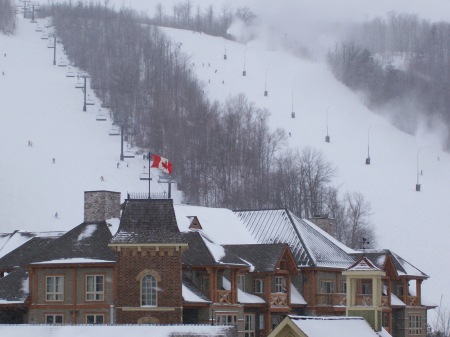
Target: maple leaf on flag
[161,163]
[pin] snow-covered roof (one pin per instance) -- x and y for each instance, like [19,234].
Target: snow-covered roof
[221,225]
[363,264]
[11,241]
[191,293]
[296,297]
[335,326]
[115,330]
[14,287]
[243,297]
[73,261]
[310,245]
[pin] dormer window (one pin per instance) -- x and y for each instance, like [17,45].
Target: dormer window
[195,223]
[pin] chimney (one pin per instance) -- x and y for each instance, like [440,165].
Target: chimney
[101,205]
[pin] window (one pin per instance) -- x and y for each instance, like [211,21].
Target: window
[415,325]
[226,319]
[205,283]
[53,319]
[249,326]
[148,290]
[241,282]
[259,286]
[326,287]
[94,288]
[95,319]
[280,284]
[261,321]
[54,288]
[399,290]
[344,287]
[366,287]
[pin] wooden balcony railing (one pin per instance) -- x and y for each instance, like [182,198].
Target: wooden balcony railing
[278,300]
[412,301]
[224,296]
[331,299]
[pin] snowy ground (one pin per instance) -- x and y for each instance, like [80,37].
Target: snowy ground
[40,104]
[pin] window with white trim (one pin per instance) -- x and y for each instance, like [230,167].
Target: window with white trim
[148,290]
[343,287]
[54,286]
[415,324]
[95,289]
[366,287]
[54,319]
[226,319]
[280,284]
[249,325]
[259,286]
[95,319]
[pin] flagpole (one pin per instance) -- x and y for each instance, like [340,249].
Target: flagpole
[149,179]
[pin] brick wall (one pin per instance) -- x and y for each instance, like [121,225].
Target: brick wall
[165,264]
[101,205]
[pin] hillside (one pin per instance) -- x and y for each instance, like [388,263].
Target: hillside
[40,104]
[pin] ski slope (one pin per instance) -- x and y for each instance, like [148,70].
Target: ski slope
[39,103]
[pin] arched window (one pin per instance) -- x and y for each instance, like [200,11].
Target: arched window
[148,290]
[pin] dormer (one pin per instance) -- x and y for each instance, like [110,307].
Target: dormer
[195,223]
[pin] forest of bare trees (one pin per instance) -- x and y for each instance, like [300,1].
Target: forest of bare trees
[402,63]
[7,17]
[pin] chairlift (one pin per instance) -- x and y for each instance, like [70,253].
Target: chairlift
[100,118]
[62,63]
[129,154]
[105,105]
[50,44]
[144,176]
[38,29]
[44,36]
[79,85]
[114,132]
[70,73]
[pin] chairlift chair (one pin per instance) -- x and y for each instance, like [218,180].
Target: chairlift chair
[90,102]
[50,44]
[38,29]
[114,132]
[100,118]
[44,36]
[70,73]
[62,63]
[105,105]
[144,176]
[129,154]
[79,85]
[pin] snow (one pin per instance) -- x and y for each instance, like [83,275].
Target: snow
[243,297]
[334,326]
[189,296]
[296,297]
[40,104]
[113,225]
[73,261]
[216,250]
[221,225]
[10,241]
[110,330]
[87,232]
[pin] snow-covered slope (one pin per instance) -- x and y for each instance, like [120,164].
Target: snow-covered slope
[38,103]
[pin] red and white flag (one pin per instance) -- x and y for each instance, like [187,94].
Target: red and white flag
[162,163]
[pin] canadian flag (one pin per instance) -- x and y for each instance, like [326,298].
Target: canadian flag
[162,163]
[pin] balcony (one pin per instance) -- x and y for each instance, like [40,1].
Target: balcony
[412,301]
[278,300]
[331,299]
[224,296]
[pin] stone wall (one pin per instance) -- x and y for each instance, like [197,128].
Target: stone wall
[101,205]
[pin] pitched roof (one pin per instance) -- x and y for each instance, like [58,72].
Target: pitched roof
[148,221]
[86,241]
[10,241]
[25,254]
[310,245]
[263,257]
[14,287]
[336,326]
[363,264]
[403,267]
[192,294]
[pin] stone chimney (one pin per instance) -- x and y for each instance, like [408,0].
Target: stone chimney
[101,205]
